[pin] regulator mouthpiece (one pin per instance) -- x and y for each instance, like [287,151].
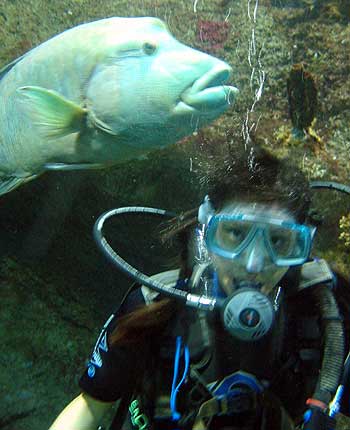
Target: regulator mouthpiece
[248,315]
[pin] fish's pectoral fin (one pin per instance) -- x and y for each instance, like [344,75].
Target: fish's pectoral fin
[96,122]
[10,183]
[53,114]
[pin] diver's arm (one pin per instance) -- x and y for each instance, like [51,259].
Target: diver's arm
[84,412]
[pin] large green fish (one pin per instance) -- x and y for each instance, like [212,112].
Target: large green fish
[103,93]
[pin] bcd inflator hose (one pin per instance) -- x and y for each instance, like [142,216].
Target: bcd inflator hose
[333,356]
[333,371]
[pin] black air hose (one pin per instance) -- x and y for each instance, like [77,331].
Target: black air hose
[333,355]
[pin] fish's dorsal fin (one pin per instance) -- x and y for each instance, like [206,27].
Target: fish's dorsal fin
[53,114]
[5,69]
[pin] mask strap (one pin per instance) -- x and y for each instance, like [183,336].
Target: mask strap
[313,233]
[205,211]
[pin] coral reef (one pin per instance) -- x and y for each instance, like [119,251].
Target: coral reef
[344,225]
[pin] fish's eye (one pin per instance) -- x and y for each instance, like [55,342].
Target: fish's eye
[149,48]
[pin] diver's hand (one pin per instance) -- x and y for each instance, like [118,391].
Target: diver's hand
[316,418]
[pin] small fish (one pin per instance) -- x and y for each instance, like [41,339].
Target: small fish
[103,93]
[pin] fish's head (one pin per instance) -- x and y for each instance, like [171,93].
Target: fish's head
[151,90]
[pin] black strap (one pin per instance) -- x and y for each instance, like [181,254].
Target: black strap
[125,401]
[122,411]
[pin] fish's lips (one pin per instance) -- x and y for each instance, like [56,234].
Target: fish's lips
[209,92]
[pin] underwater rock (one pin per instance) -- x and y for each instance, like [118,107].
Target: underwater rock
[302,99]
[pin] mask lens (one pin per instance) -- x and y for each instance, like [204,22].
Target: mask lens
[227,236]
[282,241]
[231,234]
[288,244]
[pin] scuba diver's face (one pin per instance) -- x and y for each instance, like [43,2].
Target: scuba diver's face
[248,247]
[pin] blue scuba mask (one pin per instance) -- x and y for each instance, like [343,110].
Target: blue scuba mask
[287,243]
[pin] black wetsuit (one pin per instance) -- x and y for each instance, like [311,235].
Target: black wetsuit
[111,371]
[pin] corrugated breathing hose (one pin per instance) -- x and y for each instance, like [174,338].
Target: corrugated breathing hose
[333,356]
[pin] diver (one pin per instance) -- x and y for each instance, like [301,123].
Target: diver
[258,341]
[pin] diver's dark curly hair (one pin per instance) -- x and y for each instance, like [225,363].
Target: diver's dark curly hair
[260,177]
